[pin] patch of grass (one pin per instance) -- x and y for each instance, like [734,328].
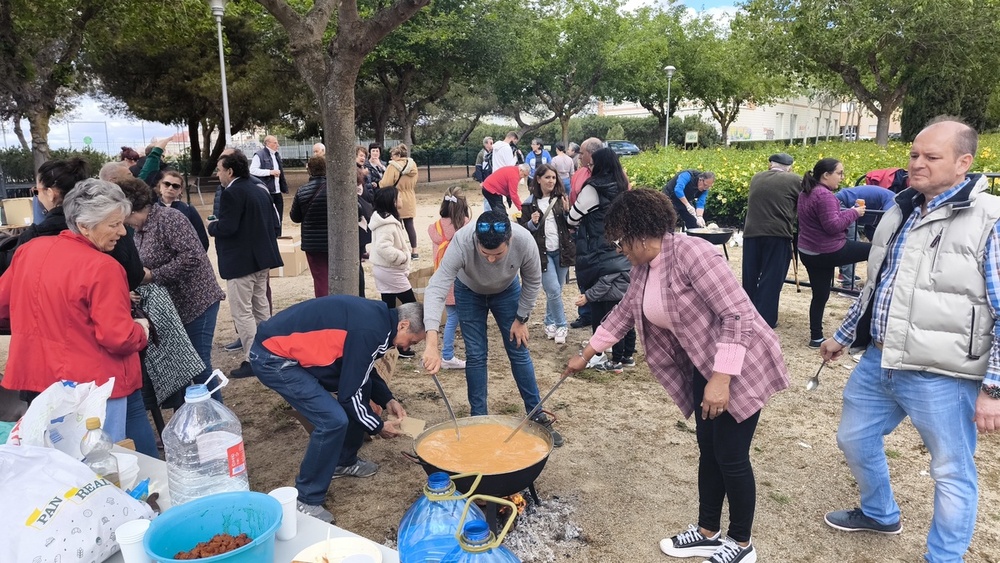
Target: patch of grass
[595,376]
[779,498]
[893,454]
[509,408]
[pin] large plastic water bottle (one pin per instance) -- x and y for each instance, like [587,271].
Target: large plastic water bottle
[203,443]
[477,543]
[96,449]
[428,529]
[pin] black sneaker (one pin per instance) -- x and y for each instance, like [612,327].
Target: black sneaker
[816,342]
[580,323]
[233,346]
[557,439]
[856,521]
[610,366]
[407,354]
[242,372]
[732,552]
[691,543]
[628,362]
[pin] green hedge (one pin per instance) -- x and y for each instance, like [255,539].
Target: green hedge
[19,168]
[733,168]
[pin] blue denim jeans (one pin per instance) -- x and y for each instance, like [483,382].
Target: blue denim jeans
[201,331]
[450,325]
[336,438]
[941,408]
[472,311]
[553,279]
[137,426]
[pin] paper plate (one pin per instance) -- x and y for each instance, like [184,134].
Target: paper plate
[336,550]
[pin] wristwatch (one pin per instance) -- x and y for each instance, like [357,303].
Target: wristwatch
[992,390]
[523,320]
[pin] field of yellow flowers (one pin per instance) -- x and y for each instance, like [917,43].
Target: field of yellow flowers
[734,167]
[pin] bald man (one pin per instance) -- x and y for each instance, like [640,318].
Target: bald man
[927,324]
[266,165]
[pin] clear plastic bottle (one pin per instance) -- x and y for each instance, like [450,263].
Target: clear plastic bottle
[96,449]
[427,530]
[203,444]
[475,546]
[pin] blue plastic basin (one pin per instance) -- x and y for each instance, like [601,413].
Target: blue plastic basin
[182,527]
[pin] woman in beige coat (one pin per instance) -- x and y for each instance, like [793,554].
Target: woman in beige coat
[402,174]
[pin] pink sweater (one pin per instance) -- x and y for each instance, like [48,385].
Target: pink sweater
[728,357]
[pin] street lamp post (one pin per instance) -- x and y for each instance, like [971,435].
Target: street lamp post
[218,8]
[666,135]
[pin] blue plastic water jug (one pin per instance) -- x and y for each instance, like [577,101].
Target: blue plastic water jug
[477,544]
[430,527]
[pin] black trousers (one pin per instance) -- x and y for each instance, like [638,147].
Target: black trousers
[765,265]
[724,469]
[821,268]
[405,297]
[279,205]
[624,348]
[495,201]
[411,231]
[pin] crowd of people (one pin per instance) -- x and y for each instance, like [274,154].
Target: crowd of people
[925,325]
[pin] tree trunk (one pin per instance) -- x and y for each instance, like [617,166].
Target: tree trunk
[407,132]
[196,157]
[468,130]
[882,128]
[341,179]
[38,122]
[564,123]
[20,134]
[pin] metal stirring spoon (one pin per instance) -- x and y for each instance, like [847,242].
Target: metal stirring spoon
[813,383]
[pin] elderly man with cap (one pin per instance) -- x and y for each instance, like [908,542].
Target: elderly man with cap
[767,234]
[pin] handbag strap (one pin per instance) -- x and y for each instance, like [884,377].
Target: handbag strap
[312,199]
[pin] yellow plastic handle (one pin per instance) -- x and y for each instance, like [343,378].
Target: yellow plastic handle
[493,542]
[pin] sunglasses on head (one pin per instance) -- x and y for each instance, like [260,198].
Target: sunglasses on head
[498,227]
[170,185]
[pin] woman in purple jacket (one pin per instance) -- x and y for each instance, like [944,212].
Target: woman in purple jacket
[823,243]
[709,348]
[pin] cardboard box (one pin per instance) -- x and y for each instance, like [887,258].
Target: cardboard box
[17,211]
[290,247]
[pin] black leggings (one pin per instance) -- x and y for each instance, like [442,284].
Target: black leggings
[624,348]
[405,297]
[821,268]
[724,468]
[411,231]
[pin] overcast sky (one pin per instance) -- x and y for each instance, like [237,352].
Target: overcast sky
[109,133]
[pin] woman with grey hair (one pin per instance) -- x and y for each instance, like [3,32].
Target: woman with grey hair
[70,314]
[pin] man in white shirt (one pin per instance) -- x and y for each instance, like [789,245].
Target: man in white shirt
[266,165]
[503,151]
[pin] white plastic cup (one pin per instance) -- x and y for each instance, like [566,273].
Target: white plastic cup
[129,537]
[287,497]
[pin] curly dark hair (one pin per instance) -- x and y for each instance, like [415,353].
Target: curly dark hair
[138,193]
[638,214]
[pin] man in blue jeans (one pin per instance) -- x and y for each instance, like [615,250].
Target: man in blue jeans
[487,262]
[329,345]
[927,323]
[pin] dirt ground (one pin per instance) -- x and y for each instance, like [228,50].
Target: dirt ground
[626,476]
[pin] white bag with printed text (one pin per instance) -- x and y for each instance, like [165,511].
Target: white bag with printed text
[58,417]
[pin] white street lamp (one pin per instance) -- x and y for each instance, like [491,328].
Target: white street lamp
[218,8]
[666,135]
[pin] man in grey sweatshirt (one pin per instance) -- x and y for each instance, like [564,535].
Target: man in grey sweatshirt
[483,261]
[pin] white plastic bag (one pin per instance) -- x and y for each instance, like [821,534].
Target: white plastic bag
[57,509]
[58,417]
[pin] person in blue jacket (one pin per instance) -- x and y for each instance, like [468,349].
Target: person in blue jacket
[876,198]
[538,155]
[689,191]
[329,345]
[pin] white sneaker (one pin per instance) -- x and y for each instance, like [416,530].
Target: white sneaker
[561,333]
[597,360]
[454,363]
[550,331]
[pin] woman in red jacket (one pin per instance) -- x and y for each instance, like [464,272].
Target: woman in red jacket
[68,304]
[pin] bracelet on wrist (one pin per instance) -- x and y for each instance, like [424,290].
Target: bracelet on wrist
[993,391]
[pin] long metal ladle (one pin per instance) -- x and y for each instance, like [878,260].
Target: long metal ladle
[447,405]
[538,407]
[813,383]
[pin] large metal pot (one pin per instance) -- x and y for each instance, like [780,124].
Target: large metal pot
[714,236]
[495,484]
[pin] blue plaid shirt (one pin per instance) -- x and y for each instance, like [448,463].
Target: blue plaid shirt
[845,335]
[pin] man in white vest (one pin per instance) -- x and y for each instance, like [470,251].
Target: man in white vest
[926,321]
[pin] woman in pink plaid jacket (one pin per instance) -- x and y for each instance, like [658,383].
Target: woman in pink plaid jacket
[711,351]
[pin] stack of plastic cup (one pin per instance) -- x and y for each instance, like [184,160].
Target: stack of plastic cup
[129,537]
[287,497]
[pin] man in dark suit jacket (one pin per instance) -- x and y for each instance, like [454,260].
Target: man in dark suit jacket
[245,239]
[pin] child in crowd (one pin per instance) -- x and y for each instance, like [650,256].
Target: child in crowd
[454,215]
[390,252]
